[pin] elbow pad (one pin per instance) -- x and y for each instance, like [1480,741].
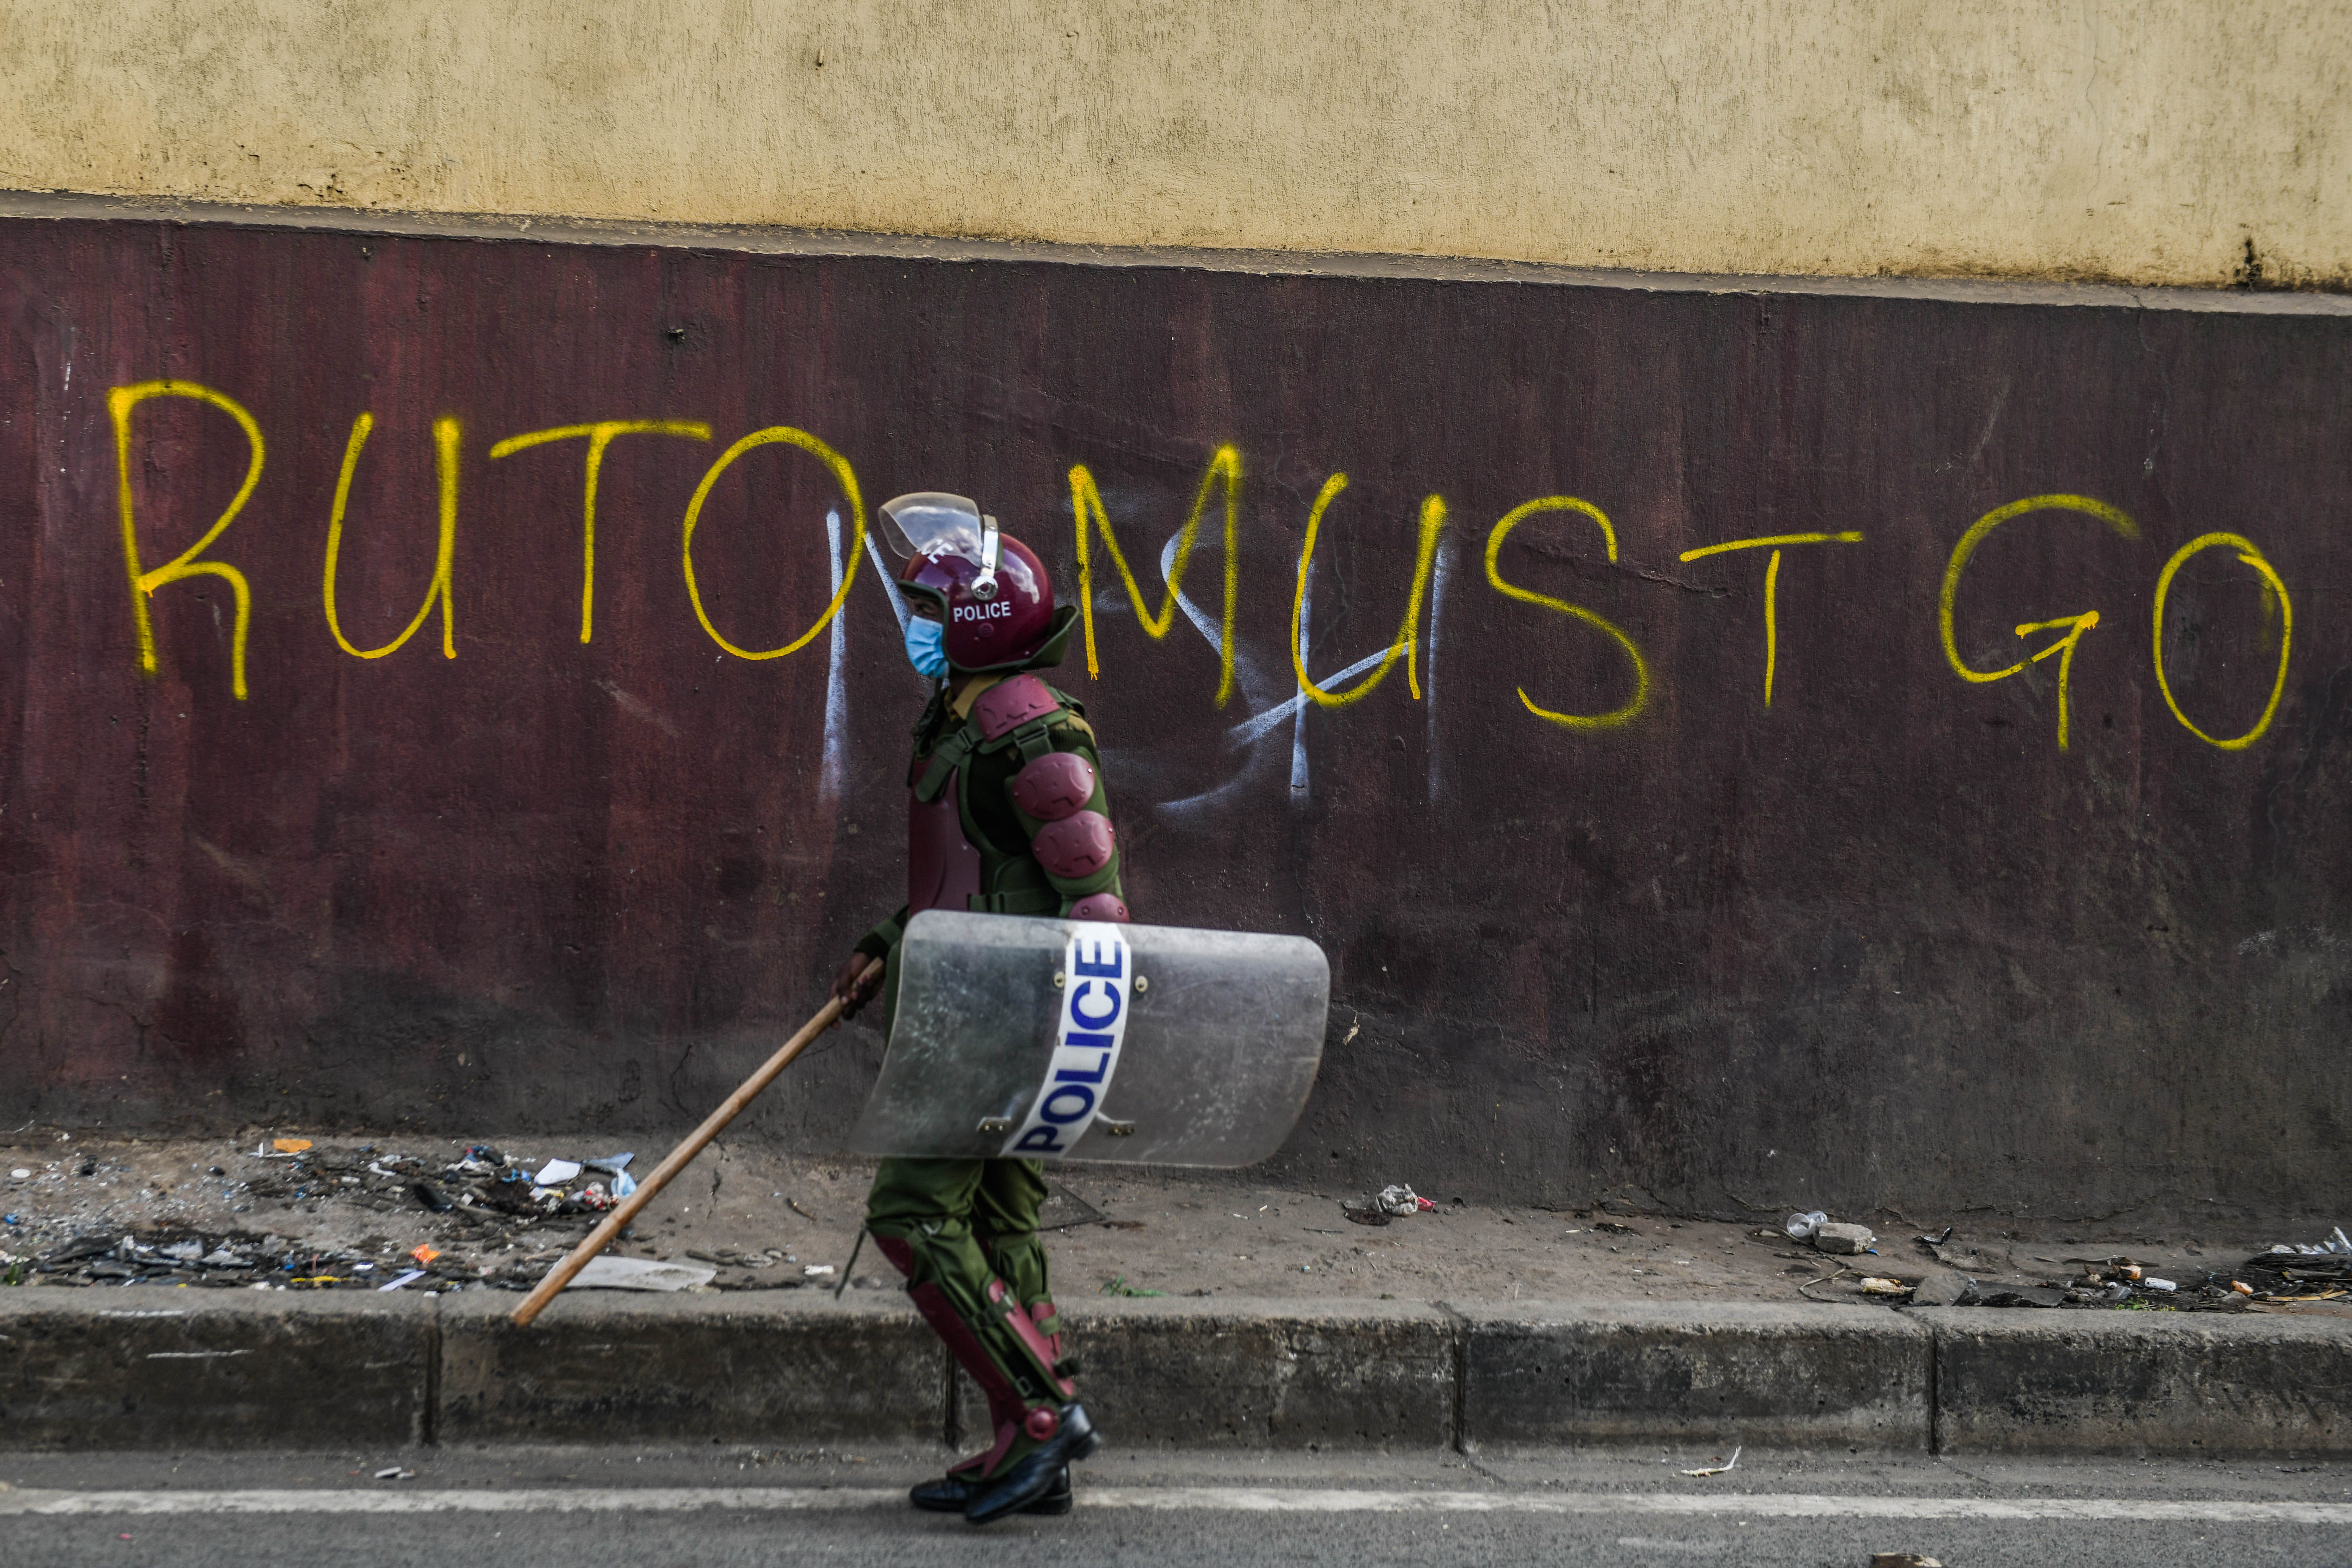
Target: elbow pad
[1076,847]
[1055,785]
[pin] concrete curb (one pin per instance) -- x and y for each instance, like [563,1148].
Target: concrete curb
[615,1366]
[1797,1376]
[2137,1382]
[152,1369]
[166,1369]
[1185,1373]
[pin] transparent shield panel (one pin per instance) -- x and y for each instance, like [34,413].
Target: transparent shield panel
[1223,1033]
[930,522]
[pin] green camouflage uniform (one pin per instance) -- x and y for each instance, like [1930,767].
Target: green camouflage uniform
[967,1229]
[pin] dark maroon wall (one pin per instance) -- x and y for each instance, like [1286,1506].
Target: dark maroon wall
[1881,943]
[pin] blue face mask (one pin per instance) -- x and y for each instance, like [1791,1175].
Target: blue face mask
[926,646]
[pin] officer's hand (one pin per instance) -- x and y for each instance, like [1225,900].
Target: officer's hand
[853,987]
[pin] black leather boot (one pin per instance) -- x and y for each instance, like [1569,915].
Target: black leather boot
[953,1494]
[1037,1476]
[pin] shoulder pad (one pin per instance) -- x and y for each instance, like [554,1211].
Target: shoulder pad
[1009,704]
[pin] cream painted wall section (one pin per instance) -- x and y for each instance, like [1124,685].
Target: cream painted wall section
[2134,141]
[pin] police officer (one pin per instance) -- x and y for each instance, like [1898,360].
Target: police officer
[1006,813]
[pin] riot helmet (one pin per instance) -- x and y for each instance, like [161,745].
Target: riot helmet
[995,601]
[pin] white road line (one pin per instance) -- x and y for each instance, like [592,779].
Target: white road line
[1230,1499]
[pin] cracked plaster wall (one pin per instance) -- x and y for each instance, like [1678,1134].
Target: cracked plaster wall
[2155,143]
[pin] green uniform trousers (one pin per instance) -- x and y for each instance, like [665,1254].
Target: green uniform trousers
[964,1232]
[974,1218]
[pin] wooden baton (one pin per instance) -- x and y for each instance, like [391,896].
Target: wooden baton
[610,1227]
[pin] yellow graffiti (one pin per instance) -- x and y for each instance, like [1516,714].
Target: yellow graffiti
[1774,542]
[2119,521]
[598,435]
[843,475]
[2064,648]
[1433,523]
[120,402]
[1087,505]
[446,444]
[2253,557]
[1512,520]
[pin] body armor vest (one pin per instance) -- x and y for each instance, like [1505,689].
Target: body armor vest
[951,864]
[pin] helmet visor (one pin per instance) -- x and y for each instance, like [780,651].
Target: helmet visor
[929,522]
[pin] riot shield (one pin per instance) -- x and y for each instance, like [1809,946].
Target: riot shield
[1027,1038]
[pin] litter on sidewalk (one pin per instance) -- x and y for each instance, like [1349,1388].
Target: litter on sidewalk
[610,1273]
[1844,1240]
[1830,1236]
[1722,1470]
[1402,1199]
[2336,1245]
[1387,1205]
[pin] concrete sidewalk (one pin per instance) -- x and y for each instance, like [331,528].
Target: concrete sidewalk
[148,1369]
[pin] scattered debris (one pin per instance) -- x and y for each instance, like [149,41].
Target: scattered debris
[611,1273]
[2338,1244]
[2279,1275]
[1935,1240]
[1063,1210]
[1871,1286]
[411,1277]
[1902,1560]
[291,1145]
[1844,1241]
[1611,1228]
[1830,1236]
[1117,1286]
[1400,1199]
[2008,1296]
[1723,1469]
[1940,1288]
[395,1473]
[1805,1286]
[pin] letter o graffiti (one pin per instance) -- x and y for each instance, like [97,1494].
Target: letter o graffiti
[843,475]
[1086,1103]
[2254,558]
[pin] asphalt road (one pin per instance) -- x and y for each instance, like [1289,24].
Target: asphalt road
[607,1508]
